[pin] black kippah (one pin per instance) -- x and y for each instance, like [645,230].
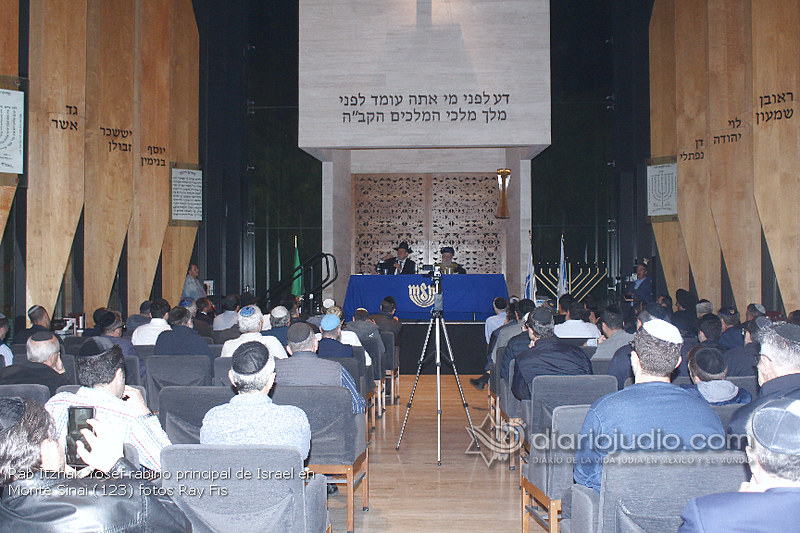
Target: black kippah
[11,412]
[41,336]
[95,346]
[249,358]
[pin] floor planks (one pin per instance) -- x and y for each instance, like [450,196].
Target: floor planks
[410,493]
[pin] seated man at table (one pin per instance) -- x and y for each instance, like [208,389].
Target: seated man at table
[448,266]
[401,264]
[652,405]
[251,417]
[329,345]
[304,367]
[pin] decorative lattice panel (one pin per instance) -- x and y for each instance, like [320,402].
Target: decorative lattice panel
[429,211]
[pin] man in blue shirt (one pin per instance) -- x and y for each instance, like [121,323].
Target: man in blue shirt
[650,415]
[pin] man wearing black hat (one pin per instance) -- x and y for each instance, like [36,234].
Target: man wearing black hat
[44,366]
[770,501]
[401,264]
[251,417]
[40,497]
[778,372]
[448,266]
[101,373]
[548,356]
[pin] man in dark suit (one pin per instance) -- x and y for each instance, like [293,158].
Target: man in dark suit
[386,320]
[329,345]
[43,367]
[770,501]
[401,264]
[182,339]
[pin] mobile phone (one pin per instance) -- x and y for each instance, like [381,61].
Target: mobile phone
[76,422]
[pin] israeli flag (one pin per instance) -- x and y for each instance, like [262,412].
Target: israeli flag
[530,279]
[562,273]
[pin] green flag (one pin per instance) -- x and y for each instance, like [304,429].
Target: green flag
[297,284]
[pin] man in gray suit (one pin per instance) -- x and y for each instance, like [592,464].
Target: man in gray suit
[305,368]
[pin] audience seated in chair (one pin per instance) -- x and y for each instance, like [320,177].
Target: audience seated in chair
[575,329]
[101,374]
[548,356]
[111,327]
[518,343]
[40,321]
[278,324]
[345,336]
[742,361]
[251,417]
[148,333]
[329,345]
[250,320]
[386,320]
[181,339]
[44,366]
[41,497]
[708,371]
[614,334]
[229,317]
[620,366]
[140,318]
[204,318]
[96,330]
[651,405]
[304,367]
[778,371]
[368,334]
[770,501]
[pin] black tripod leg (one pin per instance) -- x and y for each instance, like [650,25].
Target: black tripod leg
[458,382]
[416,381]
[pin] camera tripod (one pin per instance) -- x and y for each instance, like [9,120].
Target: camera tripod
[437,321]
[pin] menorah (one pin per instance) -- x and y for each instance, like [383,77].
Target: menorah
[581,279]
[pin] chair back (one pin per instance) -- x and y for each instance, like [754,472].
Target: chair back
[145,351]
[74,388]
[682,380]
[72,344]
[367,383]
[509,404]
[567,420]
[748,383]
[222,366]
[494,376]
[68,360]
[355,366]
[725,413]
[337,435]
[32,391]
[600,366]
[253,504]
[669,480]
[215,350]
[548,392]
[372,345]
[19,349]
[171,370]
[391,359]
[132,371]
[182,410]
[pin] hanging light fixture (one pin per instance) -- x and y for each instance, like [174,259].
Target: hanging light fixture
[503,177]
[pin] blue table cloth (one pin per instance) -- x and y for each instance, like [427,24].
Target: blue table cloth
[466,296]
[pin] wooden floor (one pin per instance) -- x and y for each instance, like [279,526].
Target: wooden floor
[409,493]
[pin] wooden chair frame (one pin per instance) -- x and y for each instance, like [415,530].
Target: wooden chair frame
[347,474]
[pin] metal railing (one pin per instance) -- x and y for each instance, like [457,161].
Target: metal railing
[322,265]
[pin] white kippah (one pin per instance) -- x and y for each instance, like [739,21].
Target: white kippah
[661,329]
[327,303]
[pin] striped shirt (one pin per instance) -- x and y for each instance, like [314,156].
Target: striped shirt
[143,432]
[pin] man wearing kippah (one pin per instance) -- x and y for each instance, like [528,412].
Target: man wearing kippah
[101,373]
[329,345]
[652,405]
[251,417]
[251,320]
[770,501]
[778,371]
[278,324]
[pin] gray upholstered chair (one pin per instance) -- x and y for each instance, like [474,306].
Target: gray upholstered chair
[286,502]
[547,473]
[19,349]
[725,413]
[73,344]
[145,351]
[183,408]
[338,438]
[648,490]
[222,366]
[600,366]
[133,374]
[171,370]
[367,387]
[40,393]
[748,383]
[215,350]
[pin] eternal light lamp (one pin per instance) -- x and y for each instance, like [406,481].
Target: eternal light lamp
[503,177]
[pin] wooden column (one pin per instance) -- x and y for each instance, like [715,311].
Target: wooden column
[184,123]
[730,146]
[9,67]
[663,136]
[697,224]
[109,144]
[150,206]
[56,110]
[776,162]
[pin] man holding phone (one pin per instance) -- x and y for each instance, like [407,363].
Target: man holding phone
[101,372]
[42,494]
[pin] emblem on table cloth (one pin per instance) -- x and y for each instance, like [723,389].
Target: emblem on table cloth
[421,295]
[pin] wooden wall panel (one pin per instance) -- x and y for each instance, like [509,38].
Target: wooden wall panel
[150,205]
[109,144]
[730,148]
[663,135]
[776,163]
[57,73]
[9,66]
[184,123]
[694,213]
